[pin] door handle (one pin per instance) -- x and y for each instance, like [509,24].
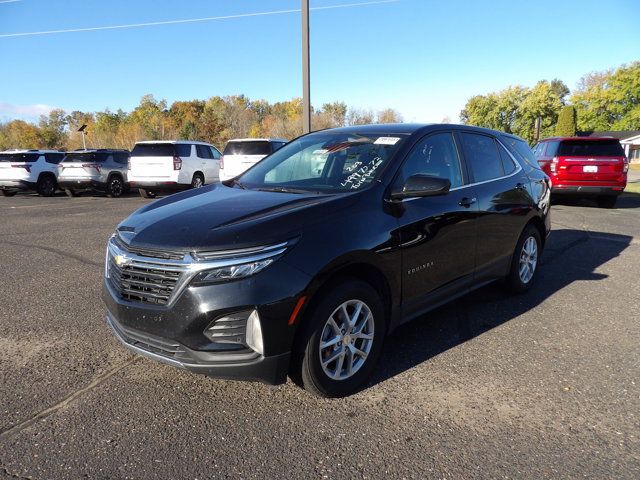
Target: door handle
[467,202]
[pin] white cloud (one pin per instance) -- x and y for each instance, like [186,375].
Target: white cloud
[10,111]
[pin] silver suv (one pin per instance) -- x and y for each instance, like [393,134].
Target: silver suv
[104,170]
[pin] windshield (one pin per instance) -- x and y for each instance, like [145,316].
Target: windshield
[247,148]
[86,157]
[590,148]
[324,162]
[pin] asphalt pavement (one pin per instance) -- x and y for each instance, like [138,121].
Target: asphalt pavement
[541,385]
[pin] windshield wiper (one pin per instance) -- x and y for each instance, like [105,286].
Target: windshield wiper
[284,190]
[237,182]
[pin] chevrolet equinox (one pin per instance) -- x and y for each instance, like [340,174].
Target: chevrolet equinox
[304,263]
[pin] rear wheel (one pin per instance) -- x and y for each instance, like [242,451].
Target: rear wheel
[524,264]
[8,193]
[144,193]
[198,180]
[46,186]
[342,340]
[607,201]
[70,192]
[115,186]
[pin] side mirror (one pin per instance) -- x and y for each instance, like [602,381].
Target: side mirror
[422,186]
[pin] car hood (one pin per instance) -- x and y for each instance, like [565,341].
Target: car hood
[221,217]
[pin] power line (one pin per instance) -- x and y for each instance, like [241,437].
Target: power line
[192,20]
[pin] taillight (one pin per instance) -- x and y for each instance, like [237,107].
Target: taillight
[92,165]
[625,168]
[26,166]
[129,164]
[177,162]
[554,163]
[222,162]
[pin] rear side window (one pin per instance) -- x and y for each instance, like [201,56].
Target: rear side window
[54,158]
[121,157]
[19,157]
[214,151]
[153,150]
[203,151]
[550,150]
[248,148]
[482,155]
[507,163]
[590,148]
[183,149]
[92,157]
[521,151]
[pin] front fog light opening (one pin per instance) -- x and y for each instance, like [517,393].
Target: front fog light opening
[254,333]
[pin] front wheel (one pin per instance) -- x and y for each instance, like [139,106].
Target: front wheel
[524,263]
[144,193]
[342,340]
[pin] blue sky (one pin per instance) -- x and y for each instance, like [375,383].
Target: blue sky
[424,58]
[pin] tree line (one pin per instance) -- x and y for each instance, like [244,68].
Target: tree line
[608,100]
[214,120]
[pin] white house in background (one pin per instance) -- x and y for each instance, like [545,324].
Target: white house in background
[629,139]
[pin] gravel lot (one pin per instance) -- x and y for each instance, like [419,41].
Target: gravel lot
[541,385]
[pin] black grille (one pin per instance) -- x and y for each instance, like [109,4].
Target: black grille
[143,284]
[229,329]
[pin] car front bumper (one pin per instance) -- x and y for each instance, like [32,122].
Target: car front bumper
[240,366]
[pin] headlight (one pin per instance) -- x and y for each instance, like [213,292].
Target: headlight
[233,272]
[222,266]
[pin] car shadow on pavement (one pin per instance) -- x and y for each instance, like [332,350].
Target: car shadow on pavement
[491,306]
[625,201]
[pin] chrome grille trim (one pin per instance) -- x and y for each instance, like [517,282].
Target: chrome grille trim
[159,281]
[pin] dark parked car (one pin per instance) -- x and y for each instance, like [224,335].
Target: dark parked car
[303,264]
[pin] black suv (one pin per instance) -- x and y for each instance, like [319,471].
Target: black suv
[303,264]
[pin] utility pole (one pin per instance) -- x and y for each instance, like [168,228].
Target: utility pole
[82,130]
[306,100]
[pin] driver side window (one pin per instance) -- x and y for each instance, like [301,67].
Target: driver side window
[435,155]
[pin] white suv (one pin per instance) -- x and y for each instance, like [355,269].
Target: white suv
[29,170]
[172,165]
[242,153]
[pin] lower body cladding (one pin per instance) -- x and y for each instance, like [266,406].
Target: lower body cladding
[15,185]
[159,186]
[82,184]
[238,330]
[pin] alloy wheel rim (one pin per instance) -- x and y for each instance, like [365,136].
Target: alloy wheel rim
[197,182]
[346,340]
[528,259]
[116,187]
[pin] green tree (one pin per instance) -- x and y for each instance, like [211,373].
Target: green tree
[52,129]
[609,100]
[566,126]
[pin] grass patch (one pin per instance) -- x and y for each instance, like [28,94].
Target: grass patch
[634,166]
[633,187]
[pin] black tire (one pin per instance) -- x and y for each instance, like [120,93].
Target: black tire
[46,186]
[607,201]
[115,186]
[197,181]
[70,192]
[306,368]
[514,280]
[8,193]
[144,193]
